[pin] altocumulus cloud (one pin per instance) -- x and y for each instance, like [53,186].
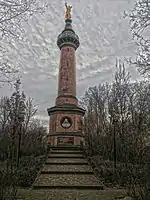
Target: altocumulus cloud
[104,36]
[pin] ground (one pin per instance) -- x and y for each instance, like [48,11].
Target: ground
[108,194]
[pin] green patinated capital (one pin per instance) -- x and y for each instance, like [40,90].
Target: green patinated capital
[68,36]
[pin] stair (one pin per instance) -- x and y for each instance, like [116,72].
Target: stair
[67,180]
[66,170]
[66,175]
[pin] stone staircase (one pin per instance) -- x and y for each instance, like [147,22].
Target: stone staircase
[66,175]
[66,169]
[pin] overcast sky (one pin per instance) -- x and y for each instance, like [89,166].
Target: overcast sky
[104,36]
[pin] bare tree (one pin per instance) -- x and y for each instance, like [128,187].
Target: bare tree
[30,112]
[32,142]
[139,18]
[21,140]
[117,129]
[4,114]
[16,113]
[12,15]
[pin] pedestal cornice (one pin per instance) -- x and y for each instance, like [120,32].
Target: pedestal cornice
[66,109]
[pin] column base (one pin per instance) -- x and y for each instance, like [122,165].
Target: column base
[64,140]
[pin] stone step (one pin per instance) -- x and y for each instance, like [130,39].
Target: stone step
[68,148]
[64,152]
[66,160]
[66,180]
[65,156]
[66,163]
[63,168]
[66,172]
[69,187]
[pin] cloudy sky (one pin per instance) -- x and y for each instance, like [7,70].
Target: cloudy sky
[104,36]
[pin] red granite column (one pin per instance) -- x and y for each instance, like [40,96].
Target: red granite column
[67,76]
[67,72]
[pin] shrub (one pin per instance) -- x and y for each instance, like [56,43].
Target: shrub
[7,184]
[27,172]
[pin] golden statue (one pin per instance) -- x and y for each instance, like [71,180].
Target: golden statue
[68,11]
